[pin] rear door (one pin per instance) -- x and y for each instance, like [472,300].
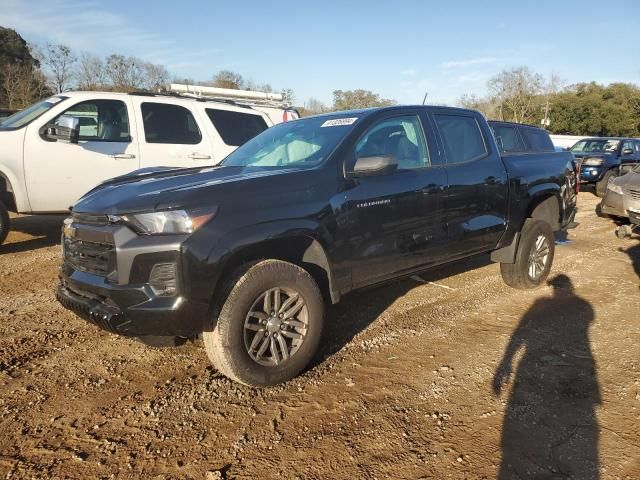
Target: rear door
[59,173]
[477,194]
[630,157]
[173,135]
[397,220]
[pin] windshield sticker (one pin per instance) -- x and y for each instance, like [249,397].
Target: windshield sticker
[339,122]
[54,100]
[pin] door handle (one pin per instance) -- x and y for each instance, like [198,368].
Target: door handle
[123,156]
[199,156]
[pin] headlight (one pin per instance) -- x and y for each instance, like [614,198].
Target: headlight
[168,222]
[614,188]
[593,161]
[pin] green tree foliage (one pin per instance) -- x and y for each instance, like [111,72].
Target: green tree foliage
[21,82]
[353,99]
[592,109]
[228,79]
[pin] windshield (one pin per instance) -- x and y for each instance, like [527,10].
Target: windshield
[600,145]
[21,118]
[303,143]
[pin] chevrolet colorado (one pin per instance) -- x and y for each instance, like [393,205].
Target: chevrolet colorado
[247,253]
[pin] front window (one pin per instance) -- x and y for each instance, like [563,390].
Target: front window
[302,143]
[29,114]
[101,120]
[598,145]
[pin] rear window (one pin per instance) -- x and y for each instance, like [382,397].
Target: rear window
[537,140]
[236,128]
[462,138]
[508,138]
[166,123]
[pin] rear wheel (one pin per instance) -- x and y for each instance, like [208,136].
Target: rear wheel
[533,257]
[5,223]
[601,186]
[269,326]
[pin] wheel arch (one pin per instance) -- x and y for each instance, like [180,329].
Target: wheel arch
[7,195]
[301,249]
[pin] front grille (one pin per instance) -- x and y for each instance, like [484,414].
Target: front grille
[635,194]
[89,257]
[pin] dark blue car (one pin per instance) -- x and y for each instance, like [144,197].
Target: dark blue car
[601,158]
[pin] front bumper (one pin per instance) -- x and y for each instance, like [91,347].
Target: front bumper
[612,204]
[119,298]
[590,174]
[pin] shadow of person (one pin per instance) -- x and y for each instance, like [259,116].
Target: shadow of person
[634,255]
[550,428]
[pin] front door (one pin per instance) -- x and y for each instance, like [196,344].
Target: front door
[59,173]
[397,219]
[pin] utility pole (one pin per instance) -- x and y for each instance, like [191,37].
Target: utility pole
[545,121]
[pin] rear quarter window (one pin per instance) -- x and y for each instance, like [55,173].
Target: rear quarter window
[508,138]
[236,128]
[537,140]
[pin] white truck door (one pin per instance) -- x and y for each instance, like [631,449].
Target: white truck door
[171,135]
[58,173]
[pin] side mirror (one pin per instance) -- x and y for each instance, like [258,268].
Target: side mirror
[374,165]
[627,151]
[66,129]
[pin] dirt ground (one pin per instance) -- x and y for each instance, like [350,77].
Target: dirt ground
[449,374]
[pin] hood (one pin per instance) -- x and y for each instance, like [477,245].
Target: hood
[605,155]
[165,188]
[630,179]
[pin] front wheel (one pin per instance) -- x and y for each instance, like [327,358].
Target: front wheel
[533,257]
[269,326]
[5,223]
[601,186]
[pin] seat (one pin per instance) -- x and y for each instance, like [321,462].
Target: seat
[109,125]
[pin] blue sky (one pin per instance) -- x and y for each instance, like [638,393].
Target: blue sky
[398,49]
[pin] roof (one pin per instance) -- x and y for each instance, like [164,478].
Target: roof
[515,123]
[372,110]
[172,97]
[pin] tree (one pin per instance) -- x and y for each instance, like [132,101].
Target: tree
[515,92]
[228,79]
[13,51]
[593,109]
[59,60]
[91,73]
[155,76]
[23,85]
[353,99]
[288,96]
[125,73]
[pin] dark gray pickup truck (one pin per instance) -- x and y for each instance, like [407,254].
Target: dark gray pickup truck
[247,253]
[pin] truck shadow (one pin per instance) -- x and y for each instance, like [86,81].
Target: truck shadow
[359,309]
[550,429]
[33,232]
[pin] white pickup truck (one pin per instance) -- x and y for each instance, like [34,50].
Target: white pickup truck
[112,134]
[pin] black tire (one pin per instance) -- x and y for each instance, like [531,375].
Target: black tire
[601,186]
[5,223]
[518,274]
[230,339]
[162,341]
